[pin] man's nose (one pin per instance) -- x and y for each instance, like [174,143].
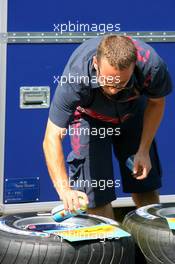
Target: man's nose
[113,90]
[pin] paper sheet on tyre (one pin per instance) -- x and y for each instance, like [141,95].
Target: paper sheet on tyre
[171,222]
[101,231]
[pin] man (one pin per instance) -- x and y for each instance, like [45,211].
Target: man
[122,87]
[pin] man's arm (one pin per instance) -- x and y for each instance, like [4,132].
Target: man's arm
[152,118]
[53,151]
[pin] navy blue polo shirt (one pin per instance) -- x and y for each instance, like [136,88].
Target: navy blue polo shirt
[80,87]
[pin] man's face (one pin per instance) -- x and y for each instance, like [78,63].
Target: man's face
[112,80]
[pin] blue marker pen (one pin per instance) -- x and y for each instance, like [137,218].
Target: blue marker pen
[130,162]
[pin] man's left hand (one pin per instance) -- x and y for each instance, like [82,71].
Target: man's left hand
[142,165]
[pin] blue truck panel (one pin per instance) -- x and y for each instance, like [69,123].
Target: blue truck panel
[40,64]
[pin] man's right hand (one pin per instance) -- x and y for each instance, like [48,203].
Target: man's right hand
[70,199]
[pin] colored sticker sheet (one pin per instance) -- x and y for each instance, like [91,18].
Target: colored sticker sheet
[171,222]
[101,231]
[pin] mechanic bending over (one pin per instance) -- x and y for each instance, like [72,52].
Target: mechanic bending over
[122,88]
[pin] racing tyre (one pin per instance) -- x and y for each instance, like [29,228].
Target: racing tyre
[24,240]
[151,232]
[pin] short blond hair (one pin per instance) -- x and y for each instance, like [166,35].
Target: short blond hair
[119,51]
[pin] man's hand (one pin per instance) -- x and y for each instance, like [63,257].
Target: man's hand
[142,165]
[70,199]
[152,117]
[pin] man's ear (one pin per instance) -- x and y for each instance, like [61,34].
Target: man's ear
[95,62]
